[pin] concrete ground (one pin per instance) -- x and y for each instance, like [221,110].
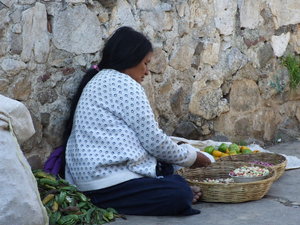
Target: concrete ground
[281,205]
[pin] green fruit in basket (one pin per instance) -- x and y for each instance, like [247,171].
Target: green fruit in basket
[246,151]
[209,149]
[234,147]
[223,147]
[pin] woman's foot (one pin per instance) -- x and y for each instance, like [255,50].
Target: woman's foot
[197,194]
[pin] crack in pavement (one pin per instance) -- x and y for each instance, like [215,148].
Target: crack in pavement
[284,201]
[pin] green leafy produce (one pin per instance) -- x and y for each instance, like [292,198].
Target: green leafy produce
[66,205]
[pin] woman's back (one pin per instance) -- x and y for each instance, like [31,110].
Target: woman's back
[103,141]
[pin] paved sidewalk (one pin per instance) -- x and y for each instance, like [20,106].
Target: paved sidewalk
[281,205]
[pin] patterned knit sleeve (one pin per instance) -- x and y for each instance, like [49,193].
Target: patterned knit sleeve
[132,106]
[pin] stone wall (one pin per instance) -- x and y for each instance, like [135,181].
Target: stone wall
[211,75]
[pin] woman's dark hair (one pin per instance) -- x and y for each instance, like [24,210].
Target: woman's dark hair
[124,49]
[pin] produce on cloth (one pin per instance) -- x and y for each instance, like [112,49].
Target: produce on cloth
[224,150]
[66,205]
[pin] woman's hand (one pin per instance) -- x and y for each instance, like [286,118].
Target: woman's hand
[201,161]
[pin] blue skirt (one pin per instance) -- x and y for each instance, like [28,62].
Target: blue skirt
[168,195]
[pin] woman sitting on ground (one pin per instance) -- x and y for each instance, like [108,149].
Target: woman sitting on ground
[115,153]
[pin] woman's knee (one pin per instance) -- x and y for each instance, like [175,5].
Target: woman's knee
[180,199]
[180,190]
[183,193]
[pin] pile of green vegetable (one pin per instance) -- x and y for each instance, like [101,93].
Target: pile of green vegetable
[66,205]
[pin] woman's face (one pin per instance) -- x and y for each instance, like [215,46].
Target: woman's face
[139,71]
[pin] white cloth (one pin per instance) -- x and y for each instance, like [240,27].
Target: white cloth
[209,156]
[115,137]
[15,112]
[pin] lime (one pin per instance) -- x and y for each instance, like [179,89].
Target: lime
[223,147]
[232,152]
[246,151]
[209,149]
[234,147]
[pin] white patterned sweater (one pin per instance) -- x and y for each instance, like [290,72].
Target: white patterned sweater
[115,136]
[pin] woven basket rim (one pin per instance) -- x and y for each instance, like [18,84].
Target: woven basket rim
[281,157]
[232,184]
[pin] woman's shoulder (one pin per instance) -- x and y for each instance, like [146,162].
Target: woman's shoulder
[116,78]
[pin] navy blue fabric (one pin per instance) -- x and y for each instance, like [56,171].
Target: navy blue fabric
[166,196]
[164,169]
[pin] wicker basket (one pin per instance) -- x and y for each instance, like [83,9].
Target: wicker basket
[231,192]
[279,161]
